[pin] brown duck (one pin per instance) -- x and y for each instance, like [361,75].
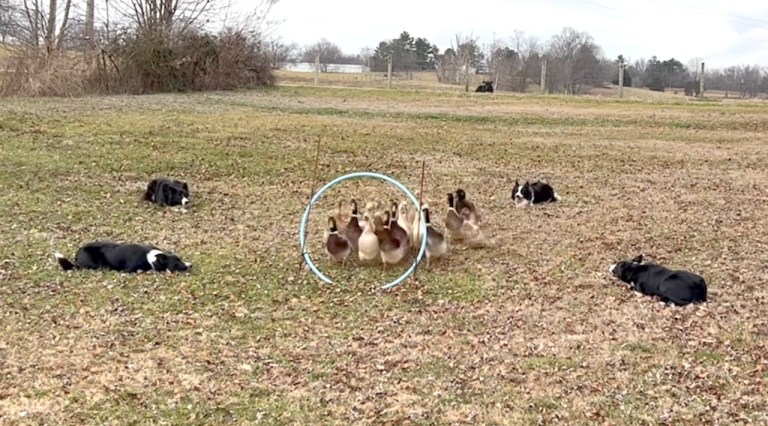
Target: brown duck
[390,249]
[337,247]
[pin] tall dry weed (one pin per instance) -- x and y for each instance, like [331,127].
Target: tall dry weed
[30,72]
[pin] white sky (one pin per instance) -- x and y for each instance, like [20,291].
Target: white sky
[722,32]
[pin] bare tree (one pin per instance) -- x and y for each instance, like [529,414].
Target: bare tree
[282,53]
[694,66]
[35,23]
[637,69]
[165,16]
[327,51]
[366,56]
[257,22]
[748,79]
[495,65]
[455,63]
[527,48]
[446,67]
[8,16]
[574,61]
[44,24]
[504,65]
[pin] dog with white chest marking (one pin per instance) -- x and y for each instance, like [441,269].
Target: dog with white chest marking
[123,257]
[671,286]
[167,192]
[533,193]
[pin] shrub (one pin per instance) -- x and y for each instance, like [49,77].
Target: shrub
[140,62]
[193,61]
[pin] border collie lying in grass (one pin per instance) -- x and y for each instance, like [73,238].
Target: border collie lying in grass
[533,193]
[123,257]
[167,192]
[678,287]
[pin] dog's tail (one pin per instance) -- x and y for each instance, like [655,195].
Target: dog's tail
[149,194]
[557,197]
[64,262]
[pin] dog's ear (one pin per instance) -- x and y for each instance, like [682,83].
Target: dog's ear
[161,262]
[638,259]
[184,185]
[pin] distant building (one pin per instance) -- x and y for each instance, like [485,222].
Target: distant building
[310,67]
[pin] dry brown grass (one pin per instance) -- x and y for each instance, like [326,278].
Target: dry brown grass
[426,80]
[26,72]
[531,330]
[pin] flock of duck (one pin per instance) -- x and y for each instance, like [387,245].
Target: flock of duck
[390,233]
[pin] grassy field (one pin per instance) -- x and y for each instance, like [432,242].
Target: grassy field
[427,80]
[530,330]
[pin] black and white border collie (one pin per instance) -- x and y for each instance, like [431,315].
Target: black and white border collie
[167,192]
[533,193]
[651,279]
[123,257]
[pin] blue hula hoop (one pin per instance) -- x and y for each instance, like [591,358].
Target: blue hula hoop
[338,180]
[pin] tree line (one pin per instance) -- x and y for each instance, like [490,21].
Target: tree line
[141,46]
[71,47]
[574,62]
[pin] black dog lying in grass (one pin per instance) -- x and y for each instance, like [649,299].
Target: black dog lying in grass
[678,287]
[167,192]
[121,257]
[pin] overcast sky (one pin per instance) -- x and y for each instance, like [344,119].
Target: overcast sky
[723,32]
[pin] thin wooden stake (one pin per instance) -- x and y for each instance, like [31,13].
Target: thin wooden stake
[421,186]
[621,80]
[311,192]
[317,69]
[421,192]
